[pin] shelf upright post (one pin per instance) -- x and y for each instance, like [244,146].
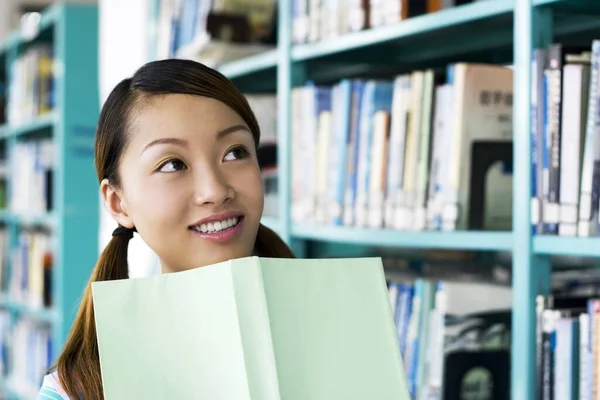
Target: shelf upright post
[287,75]
[11,223]
[153,16]
[531,274]
[297,78]
[284,83]
[75,184]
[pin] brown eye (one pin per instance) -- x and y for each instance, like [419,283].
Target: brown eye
[237,153]
[172,165]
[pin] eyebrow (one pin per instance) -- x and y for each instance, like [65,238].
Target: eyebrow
[182,142]
[231,129]
[175,141]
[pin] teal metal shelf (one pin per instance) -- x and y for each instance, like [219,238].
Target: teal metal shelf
[72,32]
[44,220]
[456,16]
[47,220]
[41,315]
[483,241]
[571,4]
[567,246]
[42,123]
[7,391]
[48,19]
[250,65]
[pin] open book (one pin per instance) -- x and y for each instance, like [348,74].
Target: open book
[251,329]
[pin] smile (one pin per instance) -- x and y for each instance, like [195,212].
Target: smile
[217,226]
[220,231]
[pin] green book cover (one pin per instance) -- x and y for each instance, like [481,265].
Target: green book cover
[251,328]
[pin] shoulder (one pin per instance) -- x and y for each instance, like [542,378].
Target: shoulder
[52,389]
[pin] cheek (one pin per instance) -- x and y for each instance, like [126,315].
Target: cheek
[249,188]
[155,202]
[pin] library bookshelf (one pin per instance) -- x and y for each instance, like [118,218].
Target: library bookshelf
[491,31]
[48,73]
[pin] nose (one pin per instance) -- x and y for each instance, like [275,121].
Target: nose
[212,188]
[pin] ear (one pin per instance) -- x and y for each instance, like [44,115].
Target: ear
[115,204]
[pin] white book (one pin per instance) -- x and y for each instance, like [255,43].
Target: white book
[443,99]
[574,116]
[584,356]
[404,213]
[395,172]
[323,150]
[379,162]
[297,157]
[422,172]
[587,210]
[482,112]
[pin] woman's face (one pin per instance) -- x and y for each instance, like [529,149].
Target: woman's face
[190,182]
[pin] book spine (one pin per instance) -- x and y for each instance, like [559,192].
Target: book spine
[575,95]
[405,215]
[540,342]
[537,126]
[588,200]
[551,212]
[365,144]
[584,356]
[546,151]
[422,172]
[400,107]
[442,97]
[339,165]
[353,153]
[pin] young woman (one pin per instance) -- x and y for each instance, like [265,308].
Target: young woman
[176,160]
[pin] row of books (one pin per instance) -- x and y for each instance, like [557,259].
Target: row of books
[4,273]
[30,277]
[222,30]
[437,319]
[32,167]
[29,354]
[5,328]
[315,20]
[30,88]
[426,150]
[565,140]
[567,347]
[3,184]
[3,100]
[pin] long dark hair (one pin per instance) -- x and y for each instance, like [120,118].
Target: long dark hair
[79,365]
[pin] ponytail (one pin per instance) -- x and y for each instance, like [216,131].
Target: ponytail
[269,244]
[79,361]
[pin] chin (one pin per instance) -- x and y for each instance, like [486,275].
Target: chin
[216,256]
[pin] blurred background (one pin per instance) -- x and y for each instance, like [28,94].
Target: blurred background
[458,140]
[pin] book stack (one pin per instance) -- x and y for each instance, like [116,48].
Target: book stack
[427,150]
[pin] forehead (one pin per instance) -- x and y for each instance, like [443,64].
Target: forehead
[183,116]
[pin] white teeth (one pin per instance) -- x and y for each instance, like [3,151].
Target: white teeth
[216,226]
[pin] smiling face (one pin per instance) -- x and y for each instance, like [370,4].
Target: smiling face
[189,182]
